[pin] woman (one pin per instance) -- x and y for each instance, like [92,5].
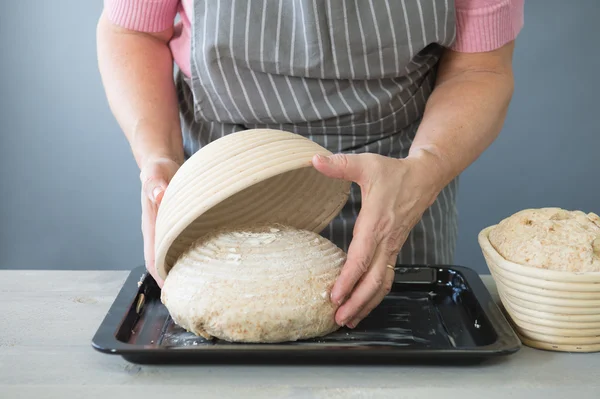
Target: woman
[406,93]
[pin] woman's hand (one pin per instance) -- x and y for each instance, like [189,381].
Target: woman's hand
[463,116]
[137,74]
[395,194]
[155,175]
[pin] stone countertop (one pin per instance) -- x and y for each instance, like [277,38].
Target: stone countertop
[48,318]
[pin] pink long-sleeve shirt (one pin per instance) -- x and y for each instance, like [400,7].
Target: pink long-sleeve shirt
[481,25]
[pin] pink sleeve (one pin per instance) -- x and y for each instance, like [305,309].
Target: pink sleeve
[485,25]
[142,15]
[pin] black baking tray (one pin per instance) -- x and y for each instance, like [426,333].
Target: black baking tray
[432,314]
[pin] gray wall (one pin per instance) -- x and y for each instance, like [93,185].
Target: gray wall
[69,191]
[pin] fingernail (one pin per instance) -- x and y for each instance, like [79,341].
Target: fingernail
[350,325]
[337,300]
[323,159]
[332,297]
[156,192]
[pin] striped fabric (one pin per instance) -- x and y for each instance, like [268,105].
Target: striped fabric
[352,75]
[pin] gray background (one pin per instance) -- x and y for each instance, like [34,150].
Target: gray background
[69,189]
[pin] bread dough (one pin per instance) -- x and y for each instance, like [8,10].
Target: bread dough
[258,284]
[550,238]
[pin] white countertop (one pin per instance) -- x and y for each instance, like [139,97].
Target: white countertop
[48,318]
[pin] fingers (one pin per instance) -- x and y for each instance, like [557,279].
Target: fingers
[341,166]
[370,290]
[149,211]
[360,257]
[152,193]
[366,278]
[376,300]
[154,189]
[155,176]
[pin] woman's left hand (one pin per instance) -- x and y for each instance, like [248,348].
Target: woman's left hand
[395,194]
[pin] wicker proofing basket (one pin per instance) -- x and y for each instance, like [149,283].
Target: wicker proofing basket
[549,309]
[253,176]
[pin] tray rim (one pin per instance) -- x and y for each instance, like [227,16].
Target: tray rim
[506,343]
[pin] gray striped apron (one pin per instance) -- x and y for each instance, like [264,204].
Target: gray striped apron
[352,75]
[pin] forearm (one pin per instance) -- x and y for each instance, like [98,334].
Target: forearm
[465,112]
[137,74]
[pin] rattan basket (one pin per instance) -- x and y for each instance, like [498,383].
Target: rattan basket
[549,309]
[249,177]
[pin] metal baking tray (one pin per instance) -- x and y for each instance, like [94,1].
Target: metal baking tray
[432,314]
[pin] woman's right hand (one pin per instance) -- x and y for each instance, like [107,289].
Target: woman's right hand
[155,175]
[136,66]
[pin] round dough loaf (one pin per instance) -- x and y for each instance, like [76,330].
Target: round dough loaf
[550,238]
[259,284]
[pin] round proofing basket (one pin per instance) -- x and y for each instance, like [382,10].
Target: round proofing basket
[549,309]
[249,177]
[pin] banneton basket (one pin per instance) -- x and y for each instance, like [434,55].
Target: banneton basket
[549,309]
[249,177]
